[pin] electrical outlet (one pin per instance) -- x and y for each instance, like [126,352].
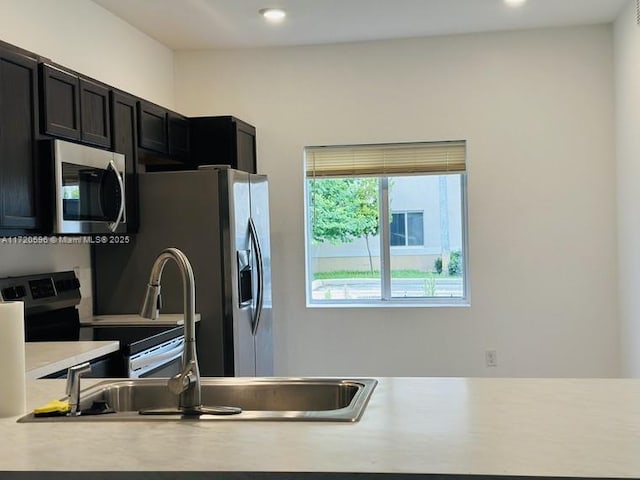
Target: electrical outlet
[491,358]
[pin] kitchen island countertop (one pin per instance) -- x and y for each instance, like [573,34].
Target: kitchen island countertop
[489,427]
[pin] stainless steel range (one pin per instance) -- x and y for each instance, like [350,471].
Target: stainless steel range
[51,314]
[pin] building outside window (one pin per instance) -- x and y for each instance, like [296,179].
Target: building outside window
[386,224]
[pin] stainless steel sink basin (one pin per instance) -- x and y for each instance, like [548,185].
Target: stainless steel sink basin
[306,399]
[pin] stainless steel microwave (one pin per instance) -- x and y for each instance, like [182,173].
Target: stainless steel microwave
[89,190]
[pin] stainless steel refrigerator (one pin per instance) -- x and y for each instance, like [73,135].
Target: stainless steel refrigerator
[219,217]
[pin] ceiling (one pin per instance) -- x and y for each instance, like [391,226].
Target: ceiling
[207,24]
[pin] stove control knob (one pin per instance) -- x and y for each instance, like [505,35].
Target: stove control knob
[13,293]
[9,293]
[67,284]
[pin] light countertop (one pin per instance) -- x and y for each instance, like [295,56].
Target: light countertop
[135,320]
[454,426]
[45,358]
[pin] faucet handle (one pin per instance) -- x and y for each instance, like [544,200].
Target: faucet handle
[183,380]
[73,385]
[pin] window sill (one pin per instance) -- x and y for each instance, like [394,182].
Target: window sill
[446,303]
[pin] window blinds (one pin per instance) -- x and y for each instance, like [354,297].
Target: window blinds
[385,159]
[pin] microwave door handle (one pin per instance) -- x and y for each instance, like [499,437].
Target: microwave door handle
[114,226]
[260,268]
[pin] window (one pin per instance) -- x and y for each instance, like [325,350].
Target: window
[386,224]
[407,228]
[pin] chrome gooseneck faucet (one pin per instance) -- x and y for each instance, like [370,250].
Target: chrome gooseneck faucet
[186,384]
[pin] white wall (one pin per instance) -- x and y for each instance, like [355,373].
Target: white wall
[536,109]
[627,106]
[84,37]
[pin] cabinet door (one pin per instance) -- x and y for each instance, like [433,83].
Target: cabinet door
[125,141]
[19,201]
[95,113]
[178,136]
[246,147]
[223,140]
[60,102]
[152,127]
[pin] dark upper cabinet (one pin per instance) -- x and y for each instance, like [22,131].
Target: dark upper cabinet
[224,140]
[178,136]
[75,107]
[125,140]
[60,102]
[152,127]
[95,113]
[40,99]
[163,131]
[19,166]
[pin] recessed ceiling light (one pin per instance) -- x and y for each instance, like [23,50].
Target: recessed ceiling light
[515,3]
[273,14]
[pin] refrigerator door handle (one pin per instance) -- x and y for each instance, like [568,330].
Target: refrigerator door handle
[260,270]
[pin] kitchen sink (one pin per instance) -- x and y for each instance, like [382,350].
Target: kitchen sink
[275,399]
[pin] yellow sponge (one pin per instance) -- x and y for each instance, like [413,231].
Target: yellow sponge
[54,407]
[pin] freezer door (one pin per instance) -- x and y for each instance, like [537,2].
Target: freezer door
[261,259]
[242,293]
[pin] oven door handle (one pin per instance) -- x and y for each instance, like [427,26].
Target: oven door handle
[150,360]
[114,226]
